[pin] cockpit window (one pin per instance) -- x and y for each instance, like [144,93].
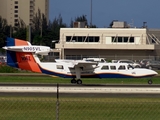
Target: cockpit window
[130,67]
[60,67]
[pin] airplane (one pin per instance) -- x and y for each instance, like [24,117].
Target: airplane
[21,54]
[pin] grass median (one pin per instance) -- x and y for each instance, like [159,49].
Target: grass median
[49,79]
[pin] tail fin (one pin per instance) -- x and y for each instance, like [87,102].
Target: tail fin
[16,42]
[22,60]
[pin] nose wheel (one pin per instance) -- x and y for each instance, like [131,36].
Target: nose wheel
[150,82]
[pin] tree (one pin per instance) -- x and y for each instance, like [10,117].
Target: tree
[55,26]
[20,30]
[4,31]
[82,19]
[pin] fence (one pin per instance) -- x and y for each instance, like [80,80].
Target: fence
[108,58]
[69,106]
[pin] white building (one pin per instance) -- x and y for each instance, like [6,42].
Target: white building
[103,42]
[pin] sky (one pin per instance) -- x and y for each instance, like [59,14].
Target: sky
[134,12]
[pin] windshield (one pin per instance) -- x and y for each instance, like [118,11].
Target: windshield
[130,67]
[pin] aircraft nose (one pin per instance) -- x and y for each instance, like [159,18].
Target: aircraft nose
[154,72]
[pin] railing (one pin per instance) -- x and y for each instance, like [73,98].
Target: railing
[108,58]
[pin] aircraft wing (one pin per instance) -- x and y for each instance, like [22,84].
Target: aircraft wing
[81,64]
[84,65]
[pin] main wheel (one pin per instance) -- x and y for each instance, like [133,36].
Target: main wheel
[79,81]
[150,82]
[73,81]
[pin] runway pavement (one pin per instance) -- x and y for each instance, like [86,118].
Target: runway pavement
[68,88]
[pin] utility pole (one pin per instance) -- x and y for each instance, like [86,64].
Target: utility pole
[10,31]
[91,15]
[29,37]
[28,33]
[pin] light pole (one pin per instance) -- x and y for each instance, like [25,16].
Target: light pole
[54,41]
[91,15]
[62,50]
[10,31]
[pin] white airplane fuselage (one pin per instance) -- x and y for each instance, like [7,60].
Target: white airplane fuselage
[67,70]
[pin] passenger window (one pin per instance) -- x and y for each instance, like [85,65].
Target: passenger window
[60,67]
[121,67]
[113,67]
[105,67]
[72,68]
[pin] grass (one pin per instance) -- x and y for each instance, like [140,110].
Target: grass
[77,108]
[49,79]
[40,108]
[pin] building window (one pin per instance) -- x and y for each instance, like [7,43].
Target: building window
[16,11]
[125,39]
[16,2]
[16,24]
[82,39]
[68,38]
[15,15]
[15,20]
[16,7]
[122,39]
[114,39]
[131,40]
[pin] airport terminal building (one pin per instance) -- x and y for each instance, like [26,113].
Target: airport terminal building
[111,43]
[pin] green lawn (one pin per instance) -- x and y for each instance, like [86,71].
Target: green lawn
[44,108]
[49,79]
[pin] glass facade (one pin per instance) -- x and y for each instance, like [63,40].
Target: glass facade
[82,38]
[122,39]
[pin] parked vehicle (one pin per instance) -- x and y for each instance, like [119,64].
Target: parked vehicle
[135,65]
[152,64]
[143,62]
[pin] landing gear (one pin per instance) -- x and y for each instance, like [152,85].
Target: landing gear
[79,81]
[73,81]
[78,75]
[150,81]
